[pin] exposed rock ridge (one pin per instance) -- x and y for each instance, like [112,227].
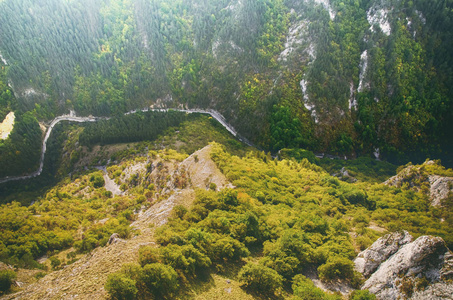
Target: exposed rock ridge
[414,177]
[399,268]
[85,278]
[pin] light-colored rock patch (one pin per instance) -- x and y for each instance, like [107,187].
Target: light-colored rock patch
[370,259]
[7,126]
[404,269]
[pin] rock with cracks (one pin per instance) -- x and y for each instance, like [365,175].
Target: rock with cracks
[370,259]
[406,269]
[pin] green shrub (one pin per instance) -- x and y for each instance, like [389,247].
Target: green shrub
[228,248]
[185,258]
[6,279]
[213,186]
[159,279]
[362,295]
[132,271]
[40,275]
[179,211]
[120,287]
[148,255]
[55,262]
[298,154]
[303,288]
[336,267]
[286,266]
[97,179]
[260,196]
[260,279]
[229,197]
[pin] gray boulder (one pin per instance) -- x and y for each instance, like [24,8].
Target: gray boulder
[370,259]
[422,269]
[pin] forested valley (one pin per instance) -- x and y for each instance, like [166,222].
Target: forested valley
[347,104]
[351,76]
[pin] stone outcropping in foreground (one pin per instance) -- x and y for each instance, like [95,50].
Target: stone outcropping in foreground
[398,268]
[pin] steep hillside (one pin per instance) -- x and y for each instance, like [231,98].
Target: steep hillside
[349,77]
[86,277]
[219,225]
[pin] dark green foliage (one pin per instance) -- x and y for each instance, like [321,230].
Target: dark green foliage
[179,211]
[228,248]
[148,255]
[186,258]
[285,265]
[120,287]
[159,279]
[291,244]
[108,59]
[285,130]
[362,168]
[6,279]
[336,267]
[131,128]
[20,152]
[260,279]
[55,262]
[97,179]
[297,154]
[362,295]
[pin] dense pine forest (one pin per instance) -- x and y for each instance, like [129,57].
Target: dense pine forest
[346,77]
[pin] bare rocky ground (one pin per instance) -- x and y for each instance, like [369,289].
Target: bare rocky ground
[85,278]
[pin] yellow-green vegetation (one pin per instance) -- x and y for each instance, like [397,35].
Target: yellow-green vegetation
[283,218]
[286,218]
[6,280]
[68,215]
[81,213]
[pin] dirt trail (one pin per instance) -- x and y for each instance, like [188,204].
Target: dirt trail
[85,278]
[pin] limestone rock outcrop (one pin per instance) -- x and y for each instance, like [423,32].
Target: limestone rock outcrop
[399,268]
[439,187]
[370,259]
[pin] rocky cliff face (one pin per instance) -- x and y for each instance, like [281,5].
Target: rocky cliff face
[399,268]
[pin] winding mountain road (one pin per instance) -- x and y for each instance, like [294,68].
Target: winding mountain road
[72,118]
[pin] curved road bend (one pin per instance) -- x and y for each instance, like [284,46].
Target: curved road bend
[215,114]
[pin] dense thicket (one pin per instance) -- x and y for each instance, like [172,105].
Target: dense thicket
[131,128]
[20,151]
[284,218]
[365,89]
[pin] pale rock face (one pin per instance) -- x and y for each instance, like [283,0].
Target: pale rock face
[369,260]
[439,188]
[3,60]
[400,264]
[363,69]
[379,16]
